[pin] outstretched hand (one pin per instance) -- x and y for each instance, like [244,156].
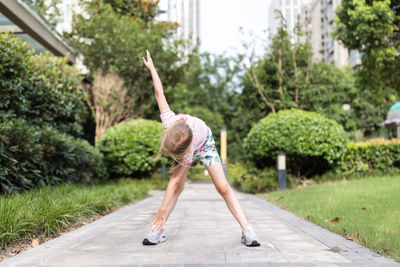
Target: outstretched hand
[149,62]
[159,220]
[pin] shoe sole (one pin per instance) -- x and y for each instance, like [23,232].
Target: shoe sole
[147,242]
[254,243]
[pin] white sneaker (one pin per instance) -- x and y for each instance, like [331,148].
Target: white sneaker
[249,237]
[154,237]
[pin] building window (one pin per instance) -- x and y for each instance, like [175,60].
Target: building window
[294,2]
[288,17]
[288,2]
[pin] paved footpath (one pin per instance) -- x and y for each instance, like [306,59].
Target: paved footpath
[200,232]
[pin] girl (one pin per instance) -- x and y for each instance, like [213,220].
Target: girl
[186,137]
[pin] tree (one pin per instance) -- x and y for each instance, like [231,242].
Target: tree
[108,99]
[372,27]
[112,40]
[48,9]
[146,10]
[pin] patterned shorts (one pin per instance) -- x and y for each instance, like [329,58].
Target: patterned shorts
[208,153]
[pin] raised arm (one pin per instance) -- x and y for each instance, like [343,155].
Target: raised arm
[158,89]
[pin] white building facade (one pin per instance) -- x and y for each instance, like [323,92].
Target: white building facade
[317,22]
[186,13]
[290,10]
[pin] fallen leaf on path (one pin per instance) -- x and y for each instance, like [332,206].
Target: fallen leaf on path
[335,249]
[15,251]
[285,207]
[309,217]
[349,238]
[1,258]
[34,243]
[336,219]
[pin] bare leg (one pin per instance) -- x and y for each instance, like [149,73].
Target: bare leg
[224,189]
[172,204]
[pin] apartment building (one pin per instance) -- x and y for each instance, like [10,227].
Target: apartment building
[290,10]
[186,13]
[317,22]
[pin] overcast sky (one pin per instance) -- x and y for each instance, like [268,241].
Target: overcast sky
[220,21]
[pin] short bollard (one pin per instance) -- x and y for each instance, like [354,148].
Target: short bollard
[163,171]
[223,149]
[281,166]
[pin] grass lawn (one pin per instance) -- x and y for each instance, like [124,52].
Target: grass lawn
[366,211]
[43,213]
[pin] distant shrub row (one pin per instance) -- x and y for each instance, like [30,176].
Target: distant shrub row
[372,155]
[313,145]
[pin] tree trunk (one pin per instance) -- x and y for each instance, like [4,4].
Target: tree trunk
[296,77]
[280,77]
[258,86]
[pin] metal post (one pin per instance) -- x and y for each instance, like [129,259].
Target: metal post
[223,149]
[163,170]
[281,166]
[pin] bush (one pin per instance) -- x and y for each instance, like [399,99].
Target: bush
[312,142]
[42,89]
[373,155]
[129,148]
[249,179]
[32,156]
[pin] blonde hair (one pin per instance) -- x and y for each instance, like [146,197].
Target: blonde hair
[176,141]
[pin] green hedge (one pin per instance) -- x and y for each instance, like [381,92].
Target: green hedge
[312,142]
[32,156]
[42,89]
[129,148]
[373,155]
[250,179]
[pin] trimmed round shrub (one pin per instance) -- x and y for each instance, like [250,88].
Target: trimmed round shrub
[129,148]
[312,142]
[32,156]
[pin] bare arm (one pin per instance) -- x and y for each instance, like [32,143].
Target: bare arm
[175,186]
[158,89]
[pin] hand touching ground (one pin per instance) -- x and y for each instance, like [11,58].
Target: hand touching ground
[160,219]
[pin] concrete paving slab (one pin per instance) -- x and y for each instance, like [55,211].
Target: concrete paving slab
[200,232]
